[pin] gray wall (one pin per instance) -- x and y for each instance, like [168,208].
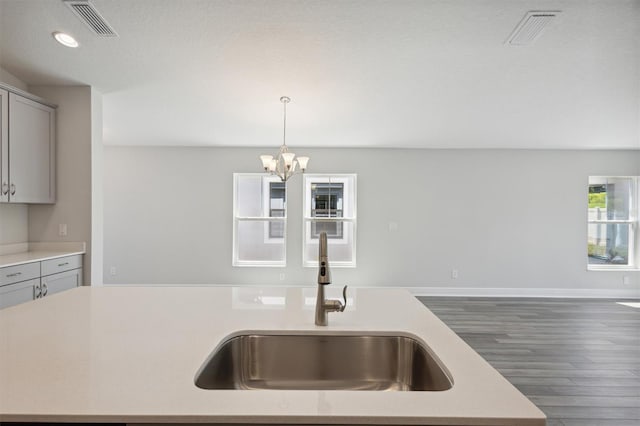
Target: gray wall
[73,171]
[511,220]
[97,189]
[14,226]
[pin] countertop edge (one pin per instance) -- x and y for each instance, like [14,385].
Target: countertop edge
[38,252]
[271,419]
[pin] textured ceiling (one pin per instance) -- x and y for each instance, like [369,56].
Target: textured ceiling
[425,74]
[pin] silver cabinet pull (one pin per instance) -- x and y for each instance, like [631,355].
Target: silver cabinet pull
[38,292]
[15,274]
[45,289]
[5,188]
[13,189]
[63,264]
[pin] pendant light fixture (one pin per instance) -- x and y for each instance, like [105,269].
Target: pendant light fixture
[285,164]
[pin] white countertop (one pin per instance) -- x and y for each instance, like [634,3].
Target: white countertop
[36,252]
[130,354]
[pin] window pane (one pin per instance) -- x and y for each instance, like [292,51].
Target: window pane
[276,229]
[341,248]
[333,229]
[276,208]
[249,202]
[255,245]
[276,198]
[327,199]
[610,198]
[608,244]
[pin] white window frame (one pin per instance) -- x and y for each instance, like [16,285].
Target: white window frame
[634,228]
[264,218]
[349,181]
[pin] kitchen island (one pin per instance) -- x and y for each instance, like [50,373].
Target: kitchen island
[130,354]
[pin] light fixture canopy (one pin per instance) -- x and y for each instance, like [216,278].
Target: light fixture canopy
[65,39]
[285,164]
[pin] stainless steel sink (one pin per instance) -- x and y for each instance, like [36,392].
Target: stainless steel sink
[322,362]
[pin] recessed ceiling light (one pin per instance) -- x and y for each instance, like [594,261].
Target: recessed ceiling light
[65,39]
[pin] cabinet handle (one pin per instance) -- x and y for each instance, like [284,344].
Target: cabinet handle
[38,292]
[15,274]
[44,289]
[63,264]
[5,188]
[13,189]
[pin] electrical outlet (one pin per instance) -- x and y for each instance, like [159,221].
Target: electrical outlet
[113,270]
[62,229]
[454,274]
[626,280]
[282,276]
[393,227]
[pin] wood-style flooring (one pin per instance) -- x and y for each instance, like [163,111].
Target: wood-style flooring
[578,360]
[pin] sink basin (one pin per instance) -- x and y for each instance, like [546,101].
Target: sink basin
[322,362]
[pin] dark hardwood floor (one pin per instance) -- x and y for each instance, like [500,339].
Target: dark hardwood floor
[578,360]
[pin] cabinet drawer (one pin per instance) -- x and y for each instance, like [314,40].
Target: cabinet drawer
[61,264]
[15,274]
[60,282]
[14,294]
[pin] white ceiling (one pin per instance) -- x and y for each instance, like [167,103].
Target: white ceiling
[361,73]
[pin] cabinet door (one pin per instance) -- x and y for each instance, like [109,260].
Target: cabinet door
[60,282]
[14,294]
[31,151]
[4,146]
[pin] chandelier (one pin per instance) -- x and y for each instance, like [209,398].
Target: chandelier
[285,164]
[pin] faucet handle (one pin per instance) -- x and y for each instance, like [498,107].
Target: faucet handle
[344,296]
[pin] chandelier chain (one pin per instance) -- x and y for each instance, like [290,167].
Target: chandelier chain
[284,132]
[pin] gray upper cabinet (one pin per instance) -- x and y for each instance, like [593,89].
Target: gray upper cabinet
[27,159]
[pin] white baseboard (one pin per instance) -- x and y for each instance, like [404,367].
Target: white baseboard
[631,293]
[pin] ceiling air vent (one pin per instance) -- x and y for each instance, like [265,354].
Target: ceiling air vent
[90,16]
[531,26]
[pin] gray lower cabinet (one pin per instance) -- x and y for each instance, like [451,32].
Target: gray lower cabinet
[21,292]
[62,281]
[35,280]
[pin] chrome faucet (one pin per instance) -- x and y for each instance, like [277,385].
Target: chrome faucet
[323,306]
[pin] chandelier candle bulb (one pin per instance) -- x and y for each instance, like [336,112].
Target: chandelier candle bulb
[302,162]
[288,159]
[266,161]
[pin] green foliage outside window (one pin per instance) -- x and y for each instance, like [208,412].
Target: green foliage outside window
[598,199]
